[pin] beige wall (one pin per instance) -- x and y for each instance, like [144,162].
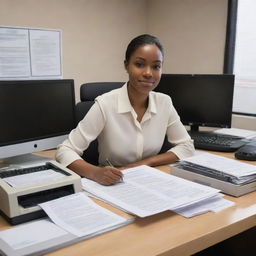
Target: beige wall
[95,34]
[192,32]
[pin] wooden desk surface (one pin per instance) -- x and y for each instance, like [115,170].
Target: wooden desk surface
[168,233]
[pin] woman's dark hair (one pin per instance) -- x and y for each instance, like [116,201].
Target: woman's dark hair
[140,41]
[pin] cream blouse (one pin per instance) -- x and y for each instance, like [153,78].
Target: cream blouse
[121,138]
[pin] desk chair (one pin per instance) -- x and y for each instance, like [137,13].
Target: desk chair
[88,93]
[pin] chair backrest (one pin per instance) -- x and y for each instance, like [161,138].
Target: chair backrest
[88,93]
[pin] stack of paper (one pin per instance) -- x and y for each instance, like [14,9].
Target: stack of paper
[232,170]
[33,238]
[237,132]
[79,215]
[147,191]
[213,204]
[76,217]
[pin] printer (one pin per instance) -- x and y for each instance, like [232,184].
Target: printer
[19,204]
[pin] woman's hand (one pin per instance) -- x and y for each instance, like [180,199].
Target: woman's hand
[107,175]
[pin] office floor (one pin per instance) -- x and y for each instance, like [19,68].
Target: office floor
[243,244]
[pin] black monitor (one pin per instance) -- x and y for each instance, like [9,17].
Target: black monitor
[35,115]
[200,100]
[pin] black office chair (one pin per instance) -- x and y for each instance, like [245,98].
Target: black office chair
[88,93]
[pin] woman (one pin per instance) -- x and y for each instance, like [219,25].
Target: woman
[130,123]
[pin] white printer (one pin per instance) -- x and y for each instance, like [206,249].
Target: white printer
[20,204]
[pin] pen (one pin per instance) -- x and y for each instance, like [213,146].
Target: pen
[110,164]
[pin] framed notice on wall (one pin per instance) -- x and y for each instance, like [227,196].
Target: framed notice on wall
[30,53]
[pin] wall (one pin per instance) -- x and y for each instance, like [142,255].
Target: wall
[95,33]
[192,32]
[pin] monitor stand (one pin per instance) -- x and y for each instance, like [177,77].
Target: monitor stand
[194,128]
[22,161]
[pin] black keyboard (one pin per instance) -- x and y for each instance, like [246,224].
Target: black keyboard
[217,142]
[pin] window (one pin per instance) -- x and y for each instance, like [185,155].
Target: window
[240,57]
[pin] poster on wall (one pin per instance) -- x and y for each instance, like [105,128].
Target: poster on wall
[30,53]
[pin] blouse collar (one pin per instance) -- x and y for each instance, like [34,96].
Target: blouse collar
[124,104]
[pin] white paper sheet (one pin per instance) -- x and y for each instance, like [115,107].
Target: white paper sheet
[45,53]
[222,164]
[214,204]
[147,191]
[33,178]
[237,132]
[14,53]
[29,53]
[221,205]
[32,233]
[80,216]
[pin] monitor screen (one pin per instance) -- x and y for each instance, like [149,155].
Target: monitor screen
[200,100]
[35,115]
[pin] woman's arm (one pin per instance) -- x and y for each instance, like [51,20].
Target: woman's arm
[107,175]
[70,151]
[157,160]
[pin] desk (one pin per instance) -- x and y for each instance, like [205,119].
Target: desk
[168,233]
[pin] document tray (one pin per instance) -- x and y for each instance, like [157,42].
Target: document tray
[182,170]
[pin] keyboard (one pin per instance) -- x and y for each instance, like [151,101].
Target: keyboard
[217,142]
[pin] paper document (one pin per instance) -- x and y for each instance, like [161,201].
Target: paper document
[33,178]
[222,164]
[14,53]
[31,233]
[147,191]
[34,238]
[80,216]
[30,53]
[213,204]
[237,132]
[45,53]
[77,218]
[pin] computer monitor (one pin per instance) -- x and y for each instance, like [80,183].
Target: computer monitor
[35,115]
[200,100]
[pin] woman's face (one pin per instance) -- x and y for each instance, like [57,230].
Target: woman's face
[144,68]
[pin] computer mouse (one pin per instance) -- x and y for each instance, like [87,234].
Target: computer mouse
[247,152]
